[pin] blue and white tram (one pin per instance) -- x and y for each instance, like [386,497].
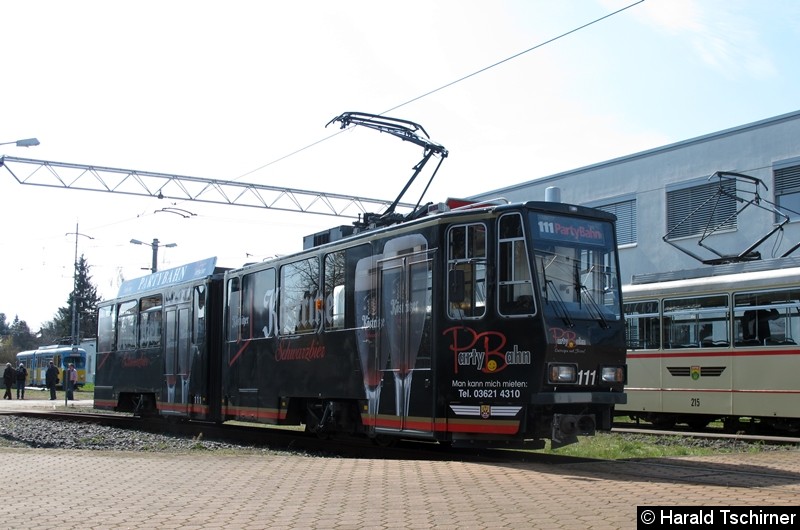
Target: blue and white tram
[37,361]
[714,344]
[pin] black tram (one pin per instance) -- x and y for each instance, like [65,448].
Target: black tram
[496,325]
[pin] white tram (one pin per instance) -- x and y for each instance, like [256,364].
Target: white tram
[719,343]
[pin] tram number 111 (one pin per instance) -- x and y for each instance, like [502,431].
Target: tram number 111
[547,227]
[585,377]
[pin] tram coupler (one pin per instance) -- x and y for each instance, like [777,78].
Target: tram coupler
[567,428]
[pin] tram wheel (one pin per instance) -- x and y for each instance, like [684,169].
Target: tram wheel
[663,421]
[731,424]
[381,440]
[697,424]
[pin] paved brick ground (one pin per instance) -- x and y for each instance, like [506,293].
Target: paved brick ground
[209,491]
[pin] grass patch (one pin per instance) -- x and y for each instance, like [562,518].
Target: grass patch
[618,446]
[43,393]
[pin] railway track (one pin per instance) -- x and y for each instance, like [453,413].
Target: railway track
[282,439]
[246,436]
[625,428]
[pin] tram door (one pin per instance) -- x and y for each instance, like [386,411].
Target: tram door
[405,303]
[176,357]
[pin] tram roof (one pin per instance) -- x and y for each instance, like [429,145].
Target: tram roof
[737,275]
[173,276]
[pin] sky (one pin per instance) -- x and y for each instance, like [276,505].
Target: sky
[243,90]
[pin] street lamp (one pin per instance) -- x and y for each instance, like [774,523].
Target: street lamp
[155,244]
[75,320]
[27,142]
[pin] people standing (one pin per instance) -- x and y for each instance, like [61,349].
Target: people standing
[51,379]
[22,377]
[8,380]
[71,380]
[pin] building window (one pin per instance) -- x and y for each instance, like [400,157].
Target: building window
[787,191]
[626,220]
[698,210]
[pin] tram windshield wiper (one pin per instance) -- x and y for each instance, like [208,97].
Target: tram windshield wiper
[558,302]
[591,302]
[594,306]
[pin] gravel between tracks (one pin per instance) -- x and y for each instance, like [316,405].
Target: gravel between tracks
[17,431]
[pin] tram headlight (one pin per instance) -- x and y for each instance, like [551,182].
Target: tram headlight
[613,374]
[562,373]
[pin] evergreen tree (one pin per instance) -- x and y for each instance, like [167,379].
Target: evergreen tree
[14,338]
[86,300]
[21,336]
[49,333]
[7,351]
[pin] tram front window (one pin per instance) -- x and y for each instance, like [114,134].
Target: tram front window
[576,268]
[79,362]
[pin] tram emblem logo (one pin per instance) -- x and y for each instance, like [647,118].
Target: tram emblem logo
[694,371]
[486,411]
[566,340]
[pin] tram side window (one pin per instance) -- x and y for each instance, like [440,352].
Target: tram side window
[199,328]
[643,327]
[334,290]
[105,328]
[300,301]
[341,282]
[466,266]
[126,325]
[258,305]
[767,318]
[514,281]
[234,309]
[696,322]
[150,321]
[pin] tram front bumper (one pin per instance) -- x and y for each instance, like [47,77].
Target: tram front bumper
[593,398]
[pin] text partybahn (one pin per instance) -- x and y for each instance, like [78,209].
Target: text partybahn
[724,516]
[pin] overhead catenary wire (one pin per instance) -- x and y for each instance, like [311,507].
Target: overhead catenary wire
[450,84]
